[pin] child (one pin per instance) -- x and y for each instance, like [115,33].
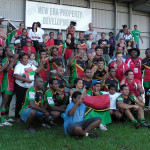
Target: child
[31,59]
[74,124]
[113,97]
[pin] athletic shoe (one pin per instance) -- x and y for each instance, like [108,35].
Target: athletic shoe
[45,125]
[93,135]
[10,120]
[1,125]
[137,125]
[5,123]
[103,127]
[31,130]
[145,124]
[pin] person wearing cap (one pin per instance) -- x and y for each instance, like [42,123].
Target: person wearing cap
[29,48]
[3,36]
[17,46]
[91,31]
[1,19]
[120,67]
[100,70]
[104,43]
[98,54]
[137,34]
[146,70]
[71,29]
[81,41]
[61,44]
[135,63]
[105,114]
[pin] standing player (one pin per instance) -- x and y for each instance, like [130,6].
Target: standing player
[146,68]
[120,67]
[135,63]
[7,84]
[77,65]
[44,73]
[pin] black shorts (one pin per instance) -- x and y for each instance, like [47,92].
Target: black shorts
[83,124]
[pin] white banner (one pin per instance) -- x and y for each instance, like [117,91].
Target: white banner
[54,16]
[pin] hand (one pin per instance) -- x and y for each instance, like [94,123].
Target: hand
[61,95]
[139,86]
[16,56]
[28,81]
[135,107]
[79,102]
[46,114]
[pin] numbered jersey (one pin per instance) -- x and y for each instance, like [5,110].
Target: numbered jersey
[32,94]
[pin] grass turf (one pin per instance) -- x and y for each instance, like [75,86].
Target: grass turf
[120,136]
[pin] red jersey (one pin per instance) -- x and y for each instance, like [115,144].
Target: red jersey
[26,49]
[136,67]
[120,70]
[146,66]
[133,87]
[45,70]
[50,42]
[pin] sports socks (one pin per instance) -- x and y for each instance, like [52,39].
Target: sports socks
[3,114]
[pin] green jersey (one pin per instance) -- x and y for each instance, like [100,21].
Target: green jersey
[32,94]
[136,34]
[92,93]
[130,100]
[52,98]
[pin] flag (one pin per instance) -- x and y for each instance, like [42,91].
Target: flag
[11,30]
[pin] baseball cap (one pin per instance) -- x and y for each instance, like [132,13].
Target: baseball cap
[96,81]
[1,17]
[28,40]
[17,41]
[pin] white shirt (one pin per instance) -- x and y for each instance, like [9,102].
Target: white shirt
[113,99]
[94,33]
[40,32]
[21,69]
[31,34]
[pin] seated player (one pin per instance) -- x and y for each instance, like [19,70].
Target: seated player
[74,124]
[100,70]
[113,97]
[62,82]
[127,103]
[111,79]
[54,99]
[33,105]
[135,85]
[87,80]
[104,114]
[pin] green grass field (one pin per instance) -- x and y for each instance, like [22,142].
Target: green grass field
[120,136]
